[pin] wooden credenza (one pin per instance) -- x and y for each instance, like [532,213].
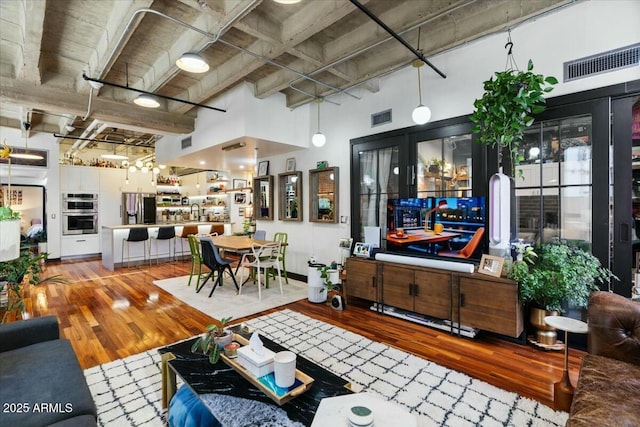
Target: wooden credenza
[471,299]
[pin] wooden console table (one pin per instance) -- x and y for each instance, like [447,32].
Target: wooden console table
[471,299]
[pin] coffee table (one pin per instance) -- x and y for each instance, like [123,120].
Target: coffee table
[230,398]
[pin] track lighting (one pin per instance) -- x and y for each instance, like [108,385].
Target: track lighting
[192,62]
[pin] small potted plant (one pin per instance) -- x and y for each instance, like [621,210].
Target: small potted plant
[212,342]
[9,234]
[506,108]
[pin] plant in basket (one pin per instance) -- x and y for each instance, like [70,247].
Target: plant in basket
[213,340]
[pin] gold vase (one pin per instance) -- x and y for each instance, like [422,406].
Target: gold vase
[545,334]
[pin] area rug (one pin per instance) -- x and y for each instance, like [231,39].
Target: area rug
[226,303]
[128,391]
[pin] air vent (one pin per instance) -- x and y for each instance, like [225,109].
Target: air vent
[381,118]
[617,59]
[186,143]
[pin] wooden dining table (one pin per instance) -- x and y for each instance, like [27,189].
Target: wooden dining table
[237,243]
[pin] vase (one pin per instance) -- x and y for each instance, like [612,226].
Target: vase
[545,334]
[223,340]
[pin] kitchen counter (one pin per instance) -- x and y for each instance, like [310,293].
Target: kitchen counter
[113,236]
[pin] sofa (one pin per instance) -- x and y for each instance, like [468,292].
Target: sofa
[608,390]
[42,382]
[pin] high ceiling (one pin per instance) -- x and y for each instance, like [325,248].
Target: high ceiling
[314,48]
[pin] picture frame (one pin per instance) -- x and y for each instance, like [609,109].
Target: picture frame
[462,171]
[362,250]
[345,243]
[263,168]
[239,183]
[491,265]
[240,198]
[291,164]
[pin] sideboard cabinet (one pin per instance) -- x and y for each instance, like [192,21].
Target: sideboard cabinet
[470,299]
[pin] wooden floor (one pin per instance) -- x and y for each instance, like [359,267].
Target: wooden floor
[109,315]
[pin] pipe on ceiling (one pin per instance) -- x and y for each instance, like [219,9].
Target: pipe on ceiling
[377,20]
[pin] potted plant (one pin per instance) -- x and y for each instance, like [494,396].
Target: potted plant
[9,233]
[15,274]
[212,342]
[506,108]
[555,273]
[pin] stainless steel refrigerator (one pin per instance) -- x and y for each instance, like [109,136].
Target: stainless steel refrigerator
[138,208]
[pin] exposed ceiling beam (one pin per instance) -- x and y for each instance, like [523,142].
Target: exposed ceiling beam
[65,102]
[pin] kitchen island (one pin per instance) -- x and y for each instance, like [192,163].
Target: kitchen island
[113,235]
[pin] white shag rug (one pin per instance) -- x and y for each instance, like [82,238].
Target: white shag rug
[128,391]
[226,303]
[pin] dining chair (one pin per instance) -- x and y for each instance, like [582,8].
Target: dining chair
[281,238]
[260,235]
[164,233]
[469,248]
[186,231]
[263,257]
[217,264]
[196,259]
[137,234]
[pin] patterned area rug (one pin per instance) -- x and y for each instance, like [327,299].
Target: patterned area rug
[226,303]
[127,391]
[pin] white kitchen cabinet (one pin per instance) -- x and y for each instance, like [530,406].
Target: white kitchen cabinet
[79,179]
[110,200]
[82,244]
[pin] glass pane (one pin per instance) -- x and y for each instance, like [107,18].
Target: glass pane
[576,216]
[379,181]
[444,167]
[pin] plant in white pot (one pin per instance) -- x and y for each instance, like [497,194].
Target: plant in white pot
[212,342]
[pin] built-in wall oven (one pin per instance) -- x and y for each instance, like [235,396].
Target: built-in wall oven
[79,213]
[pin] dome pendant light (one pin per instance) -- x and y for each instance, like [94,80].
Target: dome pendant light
[421,114]
[147,101]
[318,139]
[192,62]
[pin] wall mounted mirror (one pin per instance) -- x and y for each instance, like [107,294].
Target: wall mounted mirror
[263,195]
[323,195]
[290,196]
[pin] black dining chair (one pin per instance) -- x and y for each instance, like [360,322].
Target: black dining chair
[212,259]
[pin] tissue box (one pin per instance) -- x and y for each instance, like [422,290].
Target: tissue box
[257,365]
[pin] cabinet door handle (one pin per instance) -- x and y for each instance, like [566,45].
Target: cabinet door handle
[374,282]
[415,290]
[78,241]
[461,300]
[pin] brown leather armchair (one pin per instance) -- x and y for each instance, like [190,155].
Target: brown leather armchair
[609,384]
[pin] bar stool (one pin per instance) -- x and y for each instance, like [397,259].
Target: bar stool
[186,231]
[164,233]
[140,234]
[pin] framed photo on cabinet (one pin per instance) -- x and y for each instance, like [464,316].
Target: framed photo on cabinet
[263,168]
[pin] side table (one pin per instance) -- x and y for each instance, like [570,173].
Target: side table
[563,390]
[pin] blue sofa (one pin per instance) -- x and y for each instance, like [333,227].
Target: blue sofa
[42,383]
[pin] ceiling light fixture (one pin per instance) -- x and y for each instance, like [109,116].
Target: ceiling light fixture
[234,146]
[114,155]
[421,114]
[192,62]
[26,155]
[318,139]
[146,101]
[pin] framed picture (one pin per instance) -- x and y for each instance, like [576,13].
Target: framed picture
[462,171]
[291,164]
[239,183]
[322,164]
[362,250]
[345,243]
[491,265]
[240,198]
[263,168]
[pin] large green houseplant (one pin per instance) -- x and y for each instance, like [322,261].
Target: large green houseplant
[557,272]
[506,108]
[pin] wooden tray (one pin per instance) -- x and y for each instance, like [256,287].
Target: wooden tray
[304,379]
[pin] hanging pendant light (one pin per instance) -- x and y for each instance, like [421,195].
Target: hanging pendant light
[318,139]
[147,101]
[114,156]
[26,155]
[192,62]
[421,114]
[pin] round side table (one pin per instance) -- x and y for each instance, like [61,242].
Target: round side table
[563,390]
